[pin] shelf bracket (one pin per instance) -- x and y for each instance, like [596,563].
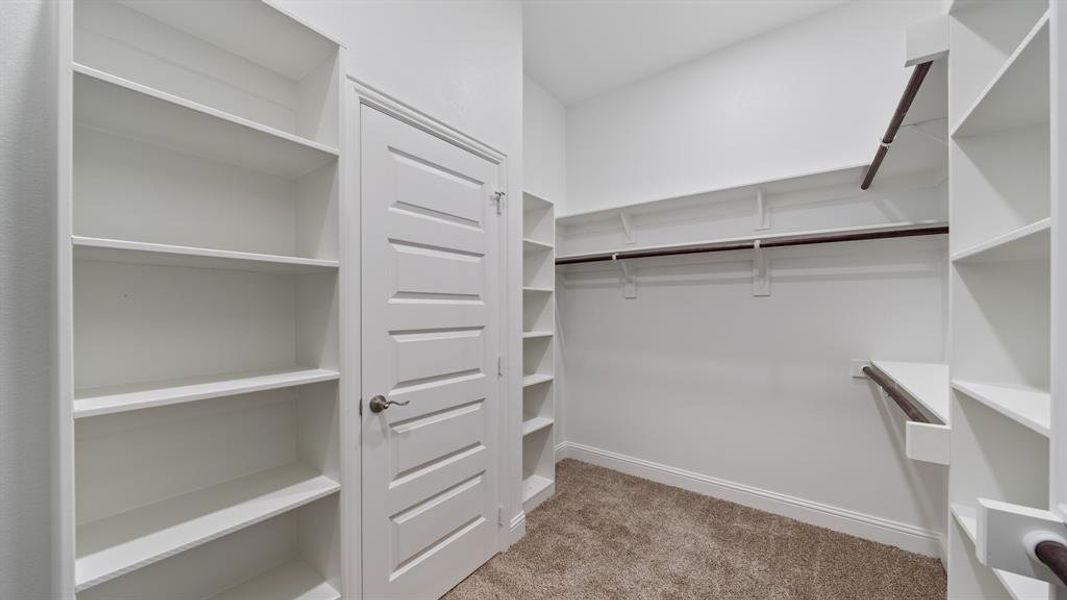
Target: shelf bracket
[628,278]
[763,214]
[1008,536]
[761,281]
[627,227]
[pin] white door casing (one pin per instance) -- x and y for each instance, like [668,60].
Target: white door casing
[431,315]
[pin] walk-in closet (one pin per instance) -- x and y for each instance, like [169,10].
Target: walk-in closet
[533,299]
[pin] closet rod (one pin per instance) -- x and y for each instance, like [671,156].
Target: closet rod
[797,240]
[1054,555]
[903,399]
[918,74]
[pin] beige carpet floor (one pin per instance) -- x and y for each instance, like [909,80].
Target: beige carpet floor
[608,535]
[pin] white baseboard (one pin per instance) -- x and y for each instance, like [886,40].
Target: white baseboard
[904,536]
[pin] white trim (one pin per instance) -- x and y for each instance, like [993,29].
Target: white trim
[885,531]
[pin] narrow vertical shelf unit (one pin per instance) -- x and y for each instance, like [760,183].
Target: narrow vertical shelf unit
[1000,211]
[538,351]
[201,385]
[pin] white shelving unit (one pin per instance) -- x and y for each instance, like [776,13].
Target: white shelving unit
[202,387]
[999,168]
[538,351]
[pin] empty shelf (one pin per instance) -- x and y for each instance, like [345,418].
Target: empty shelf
[108,103]
[536,334]
[116,545]
[538,290]
[1028,242]
[534,245]
[535,424]
[145,253]
[926,382]
[535,489]
[1029,406]
[1018,586]
[1019,93]
[103,401]
[292,581]
[536,378]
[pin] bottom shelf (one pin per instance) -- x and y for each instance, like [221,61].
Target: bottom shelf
[1018,586]
[292,581]
[535,490]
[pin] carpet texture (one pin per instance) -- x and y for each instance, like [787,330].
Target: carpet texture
[609,535]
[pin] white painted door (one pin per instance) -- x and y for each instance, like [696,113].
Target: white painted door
[430,326]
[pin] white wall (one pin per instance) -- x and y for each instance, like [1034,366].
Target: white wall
[812,96]
[751,397]
[544,144]
[27,293]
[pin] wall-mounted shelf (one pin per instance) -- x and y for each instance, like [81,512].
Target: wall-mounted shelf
[1017,586]
[926,382]
[538,351]
[144,253]
[294,580]
[116,545]
[535,424]
[1024,405]
[1018,95]
[115,399]
[535,379]
[131,110]
[1030,242]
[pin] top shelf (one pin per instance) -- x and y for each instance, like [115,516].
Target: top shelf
[259,31]
[1018,95]
[108,103]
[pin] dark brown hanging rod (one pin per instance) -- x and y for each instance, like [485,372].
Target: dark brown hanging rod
[904,400]
[798,240]
[1054,556]
[918,74]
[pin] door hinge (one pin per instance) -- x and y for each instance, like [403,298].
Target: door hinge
[498,200]
[500,366]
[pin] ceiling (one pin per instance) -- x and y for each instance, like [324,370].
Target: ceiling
[578,49]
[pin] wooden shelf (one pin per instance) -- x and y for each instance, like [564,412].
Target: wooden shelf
[535,379]
[292,581]
[1018,95]
[531,245]
[115,105]
[1030,242]
[114,546]
[535,490]
[104,401]
[535,424]
[1018,586]
[527,335]
[926,382]
[1025,405]
[145,253]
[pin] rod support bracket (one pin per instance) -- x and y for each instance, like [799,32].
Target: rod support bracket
[627,227]
[627,277]
[761,280]
[1008,535]
[762,215]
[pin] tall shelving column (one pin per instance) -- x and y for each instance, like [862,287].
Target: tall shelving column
[201,395]
[538,351]
[999,166]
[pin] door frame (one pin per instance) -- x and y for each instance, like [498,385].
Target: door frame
[358,94]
